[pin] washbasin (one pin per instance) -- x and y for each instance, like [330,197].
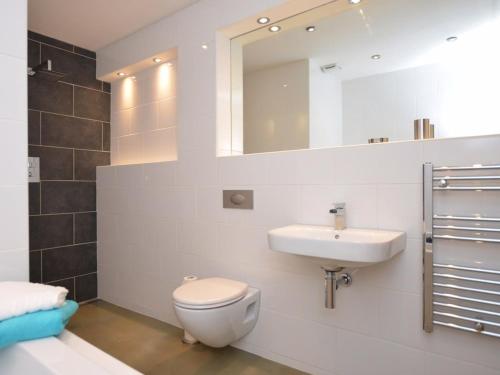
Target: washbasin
[343,248]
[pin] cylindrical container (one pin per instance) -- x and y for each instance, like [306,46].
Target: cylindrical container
[427,128]
[432,132]
[417,129]
[188,338]
[378,140]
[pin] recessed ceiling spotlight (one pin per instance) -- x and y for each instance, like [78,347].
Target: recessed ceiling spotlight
[354,1]
[452,39]
[204,46]
[285,85]
[121,74]
[157,60]
[310,29]
[263,20]
[275,28]
[376,57]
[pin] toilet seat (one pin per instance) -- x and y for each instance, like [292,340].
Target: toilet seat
[209,293]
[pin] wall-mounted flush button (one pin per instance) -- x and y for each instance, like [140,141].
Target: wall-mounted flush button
[242,199]
[33,169]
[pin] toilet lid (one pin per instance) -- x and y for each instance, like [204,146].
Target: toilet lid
[214,291]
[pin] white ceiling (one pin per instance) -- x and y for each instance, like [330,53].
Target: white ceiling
[405,32]
[92,24]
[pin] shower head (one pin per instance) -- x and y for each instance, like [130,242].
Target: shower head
[45,71]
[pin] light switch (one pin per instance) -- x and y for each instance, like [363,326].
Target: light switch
[33,169]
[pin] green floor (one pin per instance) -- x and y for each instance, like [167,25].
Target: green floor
[153,347]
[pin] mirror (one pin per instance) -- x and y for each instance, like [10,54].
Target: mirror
[362,71]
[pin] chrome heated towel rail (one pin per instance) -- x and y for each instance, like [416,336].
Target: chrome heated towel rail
[458,296]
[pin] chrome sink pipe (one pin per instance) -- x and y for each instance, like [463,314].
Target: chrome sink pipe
[332,284]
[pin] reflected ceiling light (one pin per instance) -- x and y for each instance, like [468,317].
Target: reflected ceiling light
[170,64]
[121,74]
[376,57]
[204,46]
[354,1]
[275,28]
[263,20]
[285,85]
[452,39]
[310,29]
[157,60]
[133,78]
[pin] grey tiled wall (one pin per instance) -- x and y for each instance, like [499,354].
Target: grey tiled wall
[69,130]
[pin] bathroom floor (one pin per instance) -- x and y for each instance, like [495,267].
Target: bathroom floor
[155,348]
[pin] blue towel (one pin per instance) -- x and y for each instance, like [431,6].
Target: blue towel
[36,325]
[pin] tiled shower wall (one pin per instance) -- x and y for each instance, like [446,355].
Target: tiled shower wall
[69,129]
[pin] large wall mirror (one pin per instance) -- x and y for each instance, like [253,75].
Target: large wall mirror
[362,71]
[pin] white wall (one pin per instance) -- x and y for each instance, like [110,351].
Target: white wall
[459,100]
[325,108]
[276,108]
[143,116]
[158,222]
[13,142]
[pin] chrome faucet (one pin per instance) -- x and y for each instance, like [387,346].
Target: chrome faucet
[339,212]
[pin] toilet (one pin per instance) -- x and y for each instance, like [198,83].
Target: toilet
[217,311]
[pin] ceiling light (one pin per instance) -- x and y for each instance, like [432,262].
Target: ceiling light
[452,39]
[121,74]
[263,20]
[376,57]
[354,1]
[157,60]
[204,46]
[310,29]
[285,85]
[275,28]
[133,78]
[170,64]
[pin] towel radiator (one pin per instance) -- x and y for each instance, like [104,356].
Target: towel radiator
[465,297]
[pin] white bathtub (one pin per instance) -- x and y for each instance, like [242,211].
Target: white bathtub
[65,355]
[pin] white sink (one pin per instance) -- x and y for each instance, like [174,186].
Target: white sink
[342,248]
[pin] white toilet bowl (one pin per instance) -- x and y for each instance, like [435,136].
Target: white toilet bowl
[217,311]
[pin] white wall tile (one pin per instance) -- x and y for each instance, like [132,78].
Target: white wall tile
[167,113]
[14,265]
[13,28]
[14,217]
[14,100]
[13,143]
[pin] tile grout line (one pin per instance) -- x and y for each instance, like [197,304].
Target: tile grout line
[62,49]
[63,246]
[72,116]
[69,148]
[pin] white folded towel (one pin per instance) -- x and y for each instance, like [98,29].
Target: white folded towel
[18,298]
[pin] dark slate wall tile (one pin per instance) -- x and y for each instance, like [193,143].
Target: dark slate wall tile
[86,163]
[86,287]
[68,284]
[65,262]
[106,136]
[44,95]
[85,227]
[106,87]
[78,69]
[33,53]
[55,163]
[47,40]
[67,196]
[35,267]
[33,127]
[92,104]
[34,198]
[51,231]
[64,131]
[85,52]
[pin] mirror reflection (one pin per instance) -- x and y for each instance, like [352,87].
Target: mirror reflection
[357,72]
